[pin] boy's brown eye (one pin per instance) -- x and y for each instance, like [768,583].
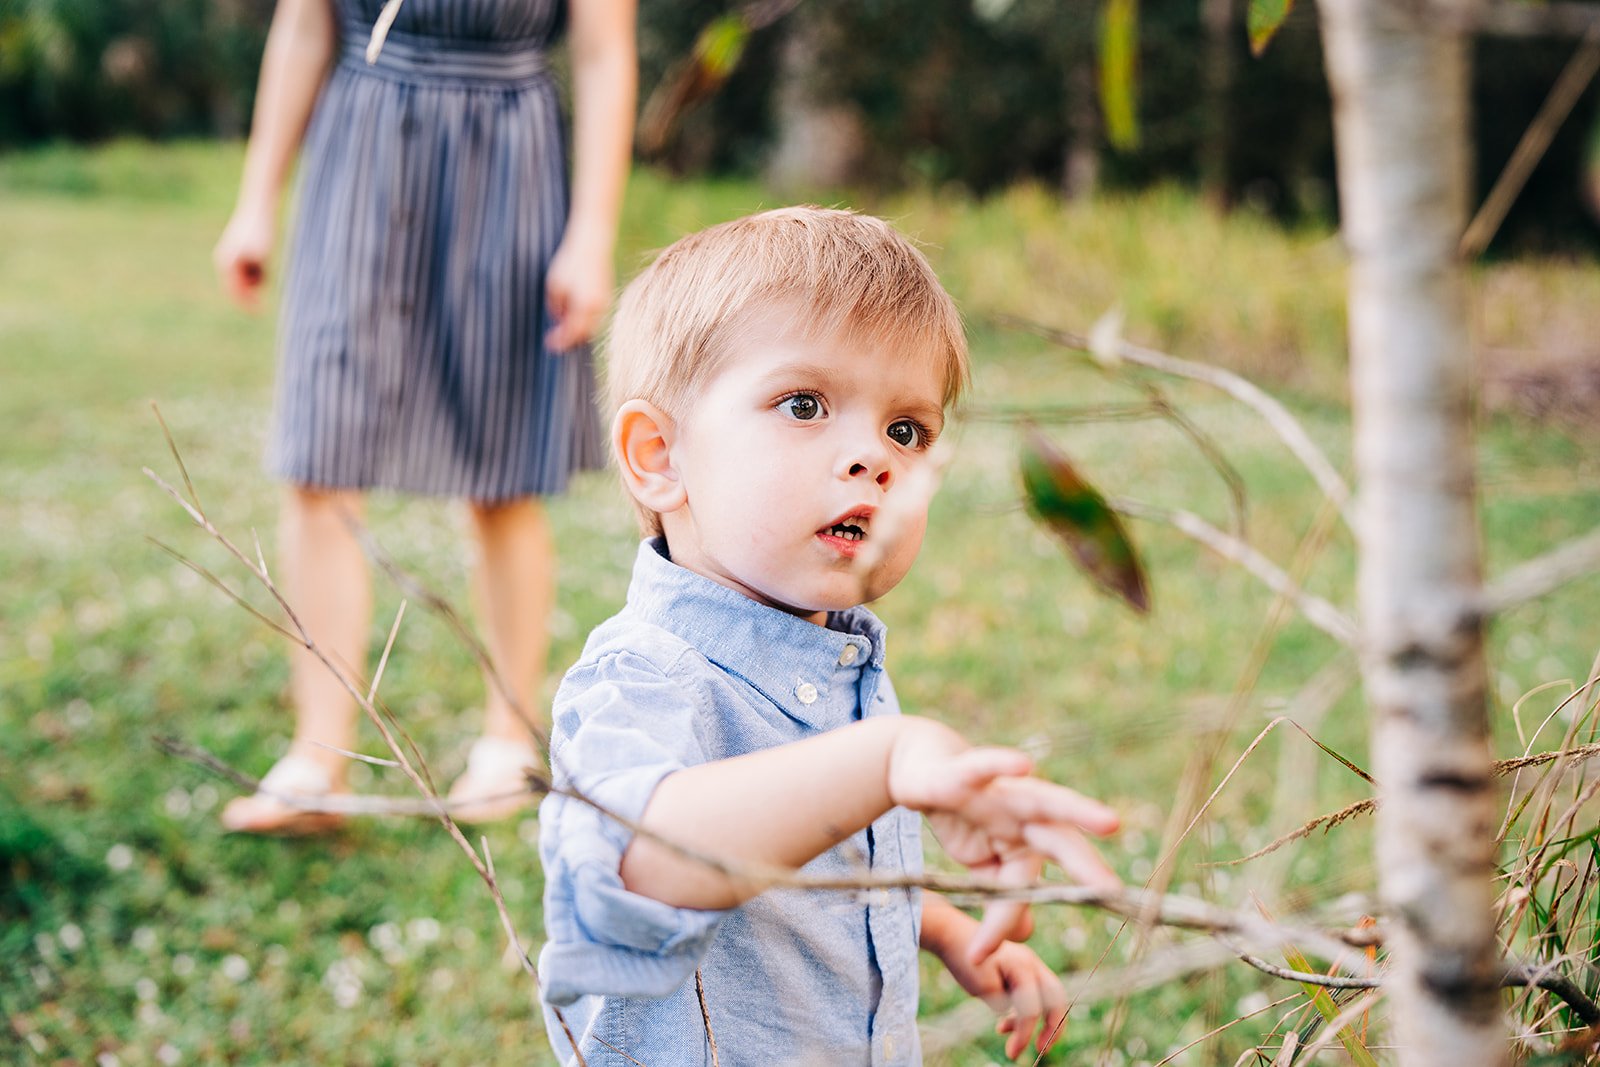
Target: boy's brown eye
[802,406]
[905,433]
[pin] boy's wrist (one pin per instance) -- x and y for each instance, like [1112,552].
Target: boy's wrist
[916,742]
[946,929]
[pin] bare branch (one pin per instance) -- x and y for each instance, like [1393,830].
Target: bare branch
[1317,611]
[1541,575]
[1515,975]
[1545,978]
[361,757]
[1579,71]
[388,646]
[705,1016]
[1328,981]
[172,446]
[1554,18]
[1284,424]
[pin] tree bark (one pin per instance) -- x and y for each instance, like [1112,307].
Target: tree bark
[1400,88]
[1216,143]
[819,143]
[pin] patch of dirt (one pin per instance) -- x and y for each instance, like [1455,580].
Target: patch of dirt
[1564,391]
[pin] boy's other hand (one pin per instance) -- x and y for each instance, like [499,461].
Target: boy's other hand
[1021,989]
[993,817]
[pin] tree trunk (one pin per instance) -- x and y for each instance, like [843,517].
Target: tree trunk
[1216,140]
[1400,88]
[819,143]
[1080,162]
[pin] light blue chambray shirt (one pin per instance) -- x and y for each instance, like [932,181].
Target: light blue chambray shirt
[688,672]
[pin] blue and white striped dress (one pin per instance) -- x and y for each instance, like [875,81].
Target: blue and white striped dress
[433,194]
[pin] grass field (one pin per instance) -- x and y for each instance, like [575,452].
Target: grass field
[133,931]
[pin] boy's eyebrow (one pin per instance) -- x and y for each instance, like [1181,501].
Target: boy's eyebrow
[786,373]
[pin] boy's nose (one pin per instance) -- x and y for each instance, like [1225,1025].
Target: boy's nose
[880,475]
[868,458]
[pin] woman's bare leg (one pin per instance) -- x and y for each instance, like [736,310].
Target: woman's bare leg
[514,590]
[324,578]
[327,583]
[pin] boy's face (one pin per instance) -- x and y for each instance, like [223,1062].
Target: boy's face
[807,473]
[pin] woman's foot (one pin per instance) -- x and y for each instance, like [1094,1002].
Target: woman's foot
[495,783]
[280,803]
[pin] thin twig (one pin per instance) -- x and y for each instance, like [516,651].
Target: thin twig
[1214,455]
[1541,575]
[414,587]
[1515,975]
[1284,424]
[182,468]
[420,779]
[1575,77]
[361,757]
[388,646]
[705,1016]
[1317,611]
[1552,18]
[1328,981]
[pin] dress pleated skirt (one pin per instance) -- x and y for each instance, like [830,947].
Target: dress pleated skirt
[433,192]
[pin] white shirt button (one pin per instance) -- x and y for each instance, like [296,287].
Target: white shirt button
[888,1046]
[848,656]
[806,692]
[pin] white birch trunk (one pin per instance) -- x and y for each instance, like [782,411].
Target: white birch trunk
[1400,88]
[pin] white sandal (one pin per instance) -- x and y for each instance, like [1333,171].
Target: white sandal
[272,809]
[495,783]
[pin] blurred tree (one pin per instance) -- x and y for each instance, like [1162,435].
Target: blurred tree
[978,93]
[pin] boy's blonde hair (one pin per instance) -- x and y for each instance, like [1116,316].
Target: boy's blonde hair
[798,271]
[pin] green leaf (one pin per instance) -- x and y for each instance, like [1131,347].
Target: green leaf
[1262,21]
[1119,62]
[1566,847]
[1328,1008]
[721,45]
[1059,497]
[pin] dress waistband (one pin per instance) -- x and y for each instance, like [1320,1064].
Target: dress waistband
[414,57]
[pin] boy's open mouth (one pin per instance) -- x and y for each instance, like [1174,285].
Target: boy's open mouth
[850,528]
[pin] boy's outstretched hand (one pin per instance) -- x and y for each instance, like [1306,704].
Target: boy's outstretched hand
[992,816]
[1026,993]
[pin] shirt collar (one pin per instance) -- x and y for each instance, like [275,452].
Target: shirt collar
[791,661]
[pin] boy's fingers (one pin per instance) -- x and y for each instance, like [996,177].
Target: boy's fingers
[1055,1024]
[998,919]
[1044,802]
[1017,1043]
[1074,854]
[977,767]
[1006,920]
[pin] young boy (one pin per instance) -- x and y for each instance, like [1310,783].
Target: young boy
[778,382]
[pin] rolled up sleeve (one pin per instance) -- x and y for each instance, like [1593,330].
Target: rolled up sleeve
[621,725]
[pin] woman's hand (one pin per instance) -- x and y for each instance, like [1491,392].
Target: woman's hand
[241,256]
[577,290]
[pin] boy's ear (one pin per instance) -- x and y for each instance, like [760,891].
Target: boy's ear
[641,437]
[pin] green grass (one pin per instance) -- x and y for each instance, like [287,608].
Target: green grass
[130,925]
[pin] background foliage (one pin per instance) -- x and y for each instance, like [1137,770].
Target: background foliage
[979,93]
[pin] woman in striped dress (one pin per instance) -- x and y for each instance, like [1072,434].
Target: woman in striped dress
[437,310]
